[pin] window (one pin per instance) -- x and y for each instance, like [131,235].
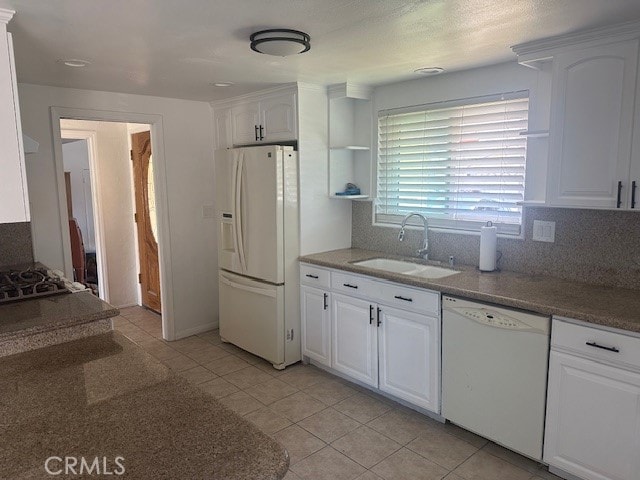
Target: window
[460,164]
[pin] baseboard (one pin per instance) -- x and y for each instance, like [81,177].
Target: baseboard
[196,330]
[561,473]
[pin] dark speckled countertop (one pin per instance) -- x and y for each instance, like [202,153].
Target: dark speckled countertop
[103,396]
[607,306]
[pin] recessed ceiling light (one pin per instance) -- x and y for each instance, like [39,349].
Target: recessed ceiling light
[429,70]
[221,84]
[74,62]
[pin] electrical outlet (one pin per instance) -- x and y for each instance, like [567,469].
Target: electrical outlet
[544,231]
[290,335]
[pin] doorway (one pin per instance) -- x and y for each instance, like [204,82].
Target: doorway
[113,224]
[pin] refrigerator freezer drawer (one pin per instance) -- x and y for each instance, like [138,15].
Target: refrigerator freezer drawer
[252,316]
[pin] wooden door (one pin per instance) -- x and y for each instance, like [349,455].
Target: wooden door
[146,220]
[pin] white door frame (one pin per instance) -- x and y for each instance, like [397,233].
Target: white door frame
[160,181]
[96,202]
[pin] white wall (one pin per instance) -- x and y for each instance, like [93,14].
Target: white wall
[500,78]
[116,205]
[188,146]
[76,162]
[325,223]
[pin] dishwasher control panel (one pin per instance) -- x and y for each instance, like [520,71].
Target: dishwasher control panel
[489,317]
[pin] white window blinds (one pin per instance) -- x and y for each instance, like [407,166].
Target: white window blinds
[460,164]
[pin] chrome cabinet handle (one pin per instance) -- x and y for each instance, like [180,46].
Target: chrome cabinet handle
[609,349]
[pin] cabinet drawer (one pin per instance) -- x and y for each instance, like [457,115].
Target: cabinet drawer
[315,276]
[596,343]
[423,301]
[353,285]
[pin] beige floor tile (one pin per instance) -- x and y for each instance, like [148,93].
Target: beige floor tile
[218,388]
[198,375]
[267,420]
[366,446]
[512,457]
[297,406]
[543,474]
[400,425]
[327,464]
[442,448]
[241,403]
[369,475]
[230,347]
[136,334]
[119,321]
[267,367]
[484,466]
[329,424]
[404,465]
[212,336]
[207,354]
[291,476]
[247,377]
[189,344]
[227,364]
[271,391]
[159,350]
[298,442]
[453,476]
[179,363]
[362,407]
[330,391]
[248,357]
[302,376]
[466,435]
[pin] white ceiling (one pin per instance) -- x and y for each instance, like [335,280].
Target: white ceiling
[176,48]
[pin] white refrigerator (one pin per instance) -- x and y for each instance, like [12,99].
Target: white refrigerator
[257,215]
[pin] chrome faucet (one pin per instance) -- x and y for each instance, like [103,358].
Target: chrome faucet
[424,251]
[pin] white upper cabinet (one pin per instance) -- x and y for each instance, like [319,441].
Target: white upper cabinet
[593,98]
[222,126]
[278,118]
[257,118]
[13,188]
[594,128]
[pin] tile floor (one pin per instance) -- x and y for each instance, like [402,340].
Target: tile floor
[332,429]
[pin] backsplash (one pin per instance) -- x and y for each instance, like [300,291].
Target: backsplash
[592,246]
[15,243]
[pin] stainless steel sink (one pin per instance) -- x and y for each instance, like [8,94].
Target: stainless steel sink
[406,268]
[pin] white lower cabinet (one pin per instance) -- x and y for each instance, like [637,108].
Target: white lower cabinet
[355,338]
[394,349]
[593,405]
[316,324]
[409,356]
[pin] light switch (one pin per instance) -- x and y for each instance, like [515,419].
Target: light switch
[208,211]
[544,231]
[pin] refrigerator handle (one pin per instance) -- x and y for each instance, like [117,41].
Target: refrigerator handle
[239,213]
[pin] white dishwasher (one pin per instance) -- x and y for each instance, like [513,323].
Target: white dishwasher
[494,372]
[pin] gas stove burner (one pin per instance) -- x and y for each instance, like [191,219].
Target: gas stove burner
[31,283]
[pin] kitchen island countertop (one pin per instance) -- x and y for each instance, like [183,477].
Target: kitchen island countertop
[606,306]
[104,397]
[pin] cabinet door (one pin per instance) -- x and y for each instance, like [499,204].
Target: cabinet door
[355,338]
[245,120]
[278,118]
[13,188]
[593,419]
[316,324]
[593,100]
[222,128]
[409,354]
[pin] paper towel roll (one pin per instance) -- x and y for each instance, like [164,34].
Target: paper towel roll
[488,244]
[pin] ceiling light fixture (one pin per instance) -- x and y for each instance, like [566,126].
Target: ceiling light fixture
[221,84]
[280,42]
[74,62]
[429,70]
